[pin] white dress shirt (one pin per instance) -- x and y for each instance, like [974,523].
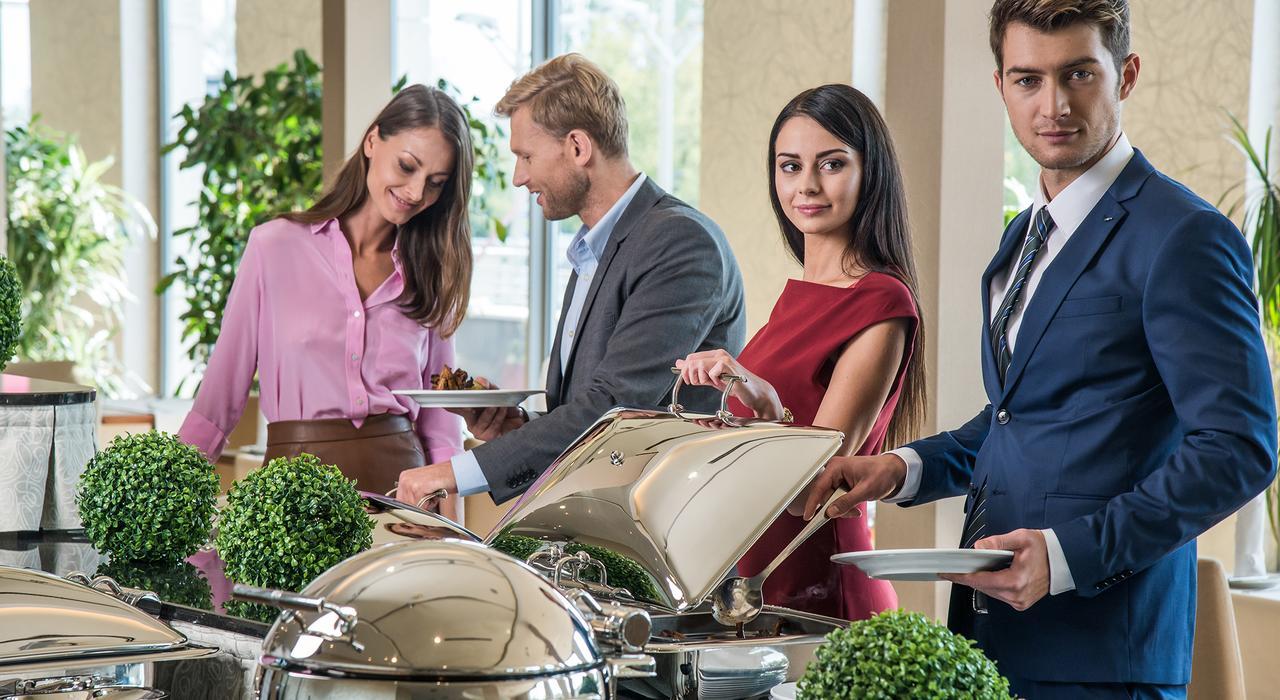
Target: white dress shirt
[1068,210]
[584,254]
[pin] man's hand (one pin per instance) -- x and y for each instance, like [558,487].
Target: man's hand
[1025,581]
[420,481]
[489,423]
[866,478]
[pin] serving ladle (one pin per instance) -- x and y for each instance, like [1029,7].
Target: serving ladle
[738,600]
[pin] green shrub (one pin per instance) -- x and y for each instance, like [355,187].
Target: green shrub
[179,583]
[148,497]
[289,521]
[10,310]
[899,654]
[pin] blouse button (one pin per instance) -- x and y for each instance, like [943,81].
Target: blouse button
[360,401]
[356,314]
[355,356]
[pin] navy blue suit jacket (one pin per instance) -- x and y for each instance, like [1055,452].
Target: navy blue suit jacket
[1137,412]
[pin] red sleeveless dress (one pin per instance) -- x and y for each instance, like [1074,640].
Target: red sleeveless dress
[795,352]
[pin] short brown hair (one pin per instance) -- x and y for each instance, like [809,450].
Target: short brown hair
[569,92]
[1110,16]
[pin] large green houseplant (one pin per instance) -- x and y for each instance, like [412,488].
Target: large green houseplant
[257,144]
[68,233]
[1260,223]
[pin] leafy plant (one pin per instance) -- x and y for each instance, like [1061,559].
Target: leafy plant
[10,310]
[68,233]
[258,147]
[289,521]
[899,654]
[148,497]
[1261,224]
[179,583]
[622,571]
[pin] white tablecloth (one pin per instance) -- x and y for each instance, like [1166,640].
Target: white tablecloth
[43,451]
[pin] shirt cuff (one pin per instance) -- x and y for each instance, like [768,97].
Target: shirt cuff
[468,475]
[911,484]
[1060,580]
[202,434]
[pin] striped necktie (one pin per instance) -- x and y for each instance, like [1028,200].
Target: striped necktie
[1013,297]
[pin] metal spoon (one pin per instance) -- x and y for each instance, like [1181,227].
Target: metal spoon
[738,600]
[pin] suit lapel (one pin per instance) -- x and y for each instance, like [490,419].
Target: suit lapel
[555,375]
[647,196]
[1013,235]
[1070,263]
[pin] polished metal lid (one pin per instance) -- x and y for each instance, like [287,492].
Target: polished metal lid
[424,610]
[682,496]
[46,621]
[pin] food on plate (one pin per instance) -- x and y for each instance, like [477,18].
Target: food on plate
[453,380]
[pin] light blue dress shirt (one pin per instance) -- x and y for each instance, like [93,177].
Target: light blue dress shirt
[584,254]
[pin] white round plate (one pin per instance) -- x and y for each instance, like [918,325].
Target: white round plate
[786,691]
[467,398]
[1247,583]
[924,564]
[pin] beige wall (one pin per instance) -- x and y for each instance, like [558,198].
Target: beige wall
[1195,64]
[357,69]
[269,31]
[755,57]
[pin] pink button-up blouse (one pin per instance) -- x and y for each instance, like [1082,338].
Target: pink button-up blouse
[295,316]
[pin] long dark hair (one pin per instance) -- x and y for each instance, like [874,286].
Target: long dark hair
[879,237]
[435,245]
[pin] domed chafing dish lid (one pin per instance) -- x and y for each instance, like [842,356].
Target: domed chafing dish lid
[683,496]
[48,622]
[434,610]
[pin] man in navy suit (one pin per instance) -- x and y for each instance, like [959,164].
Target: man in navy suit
[1130,397]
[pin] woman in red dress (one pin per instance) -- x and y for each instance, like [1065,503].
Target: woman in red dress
[839,346]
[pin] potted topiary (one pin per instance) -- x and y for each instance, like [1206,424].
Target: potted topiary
[148,497]
[899,654]
[288,522]
[10,311]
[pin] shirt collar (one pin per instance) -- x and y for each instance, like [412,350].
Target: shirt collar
[1076,200]
[588,244]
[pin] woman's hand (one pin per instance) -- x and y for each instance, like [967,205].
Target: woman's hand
[705,368]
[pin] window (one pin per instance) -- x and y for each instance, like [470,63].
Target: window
[198,41]
[653,50]
[479,48]
[15,61]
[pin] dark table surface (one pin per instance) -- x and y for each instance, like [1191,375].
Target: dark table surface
[25,391]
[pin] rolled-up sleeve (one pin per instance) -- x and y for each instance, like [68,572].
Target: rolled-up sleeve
[440,431]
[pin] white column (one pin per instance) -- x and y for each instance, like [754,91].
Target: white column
[870,30]
[357,73]
[1264,82]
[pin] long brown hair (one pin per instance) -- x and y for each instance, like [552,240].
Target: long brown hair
[435,245]
[879,237]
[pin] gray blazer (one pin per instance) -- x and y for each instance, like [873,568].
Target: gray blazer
[667,285]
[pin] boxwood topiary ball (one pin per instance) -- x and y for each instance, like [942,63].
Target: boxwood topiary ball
[899,654]
[10,310]
[289,521]
[148,497]
[174,582]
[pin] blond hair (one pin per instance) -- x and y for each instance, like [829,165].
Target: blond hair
[1111,17]
[569,92]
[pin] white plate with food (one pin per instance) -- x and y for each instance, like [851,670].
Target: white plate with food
[467,398]
[1253,583]
[924,564]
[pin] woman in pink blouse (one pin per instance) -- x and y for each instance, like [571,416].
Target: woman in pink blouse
[336,306]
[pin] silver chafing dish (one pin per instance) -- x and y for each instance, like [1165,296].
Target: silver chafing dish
[678,498]
[64,639]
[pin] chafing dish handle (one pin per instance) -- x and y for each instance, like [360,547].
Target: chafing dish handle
[723,414]
[286,600]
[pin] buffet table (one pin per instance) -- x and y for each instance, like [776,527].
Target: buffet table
[47,436]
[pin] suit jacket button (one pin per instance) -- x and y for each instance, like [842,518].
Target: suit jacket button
[1002,416]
